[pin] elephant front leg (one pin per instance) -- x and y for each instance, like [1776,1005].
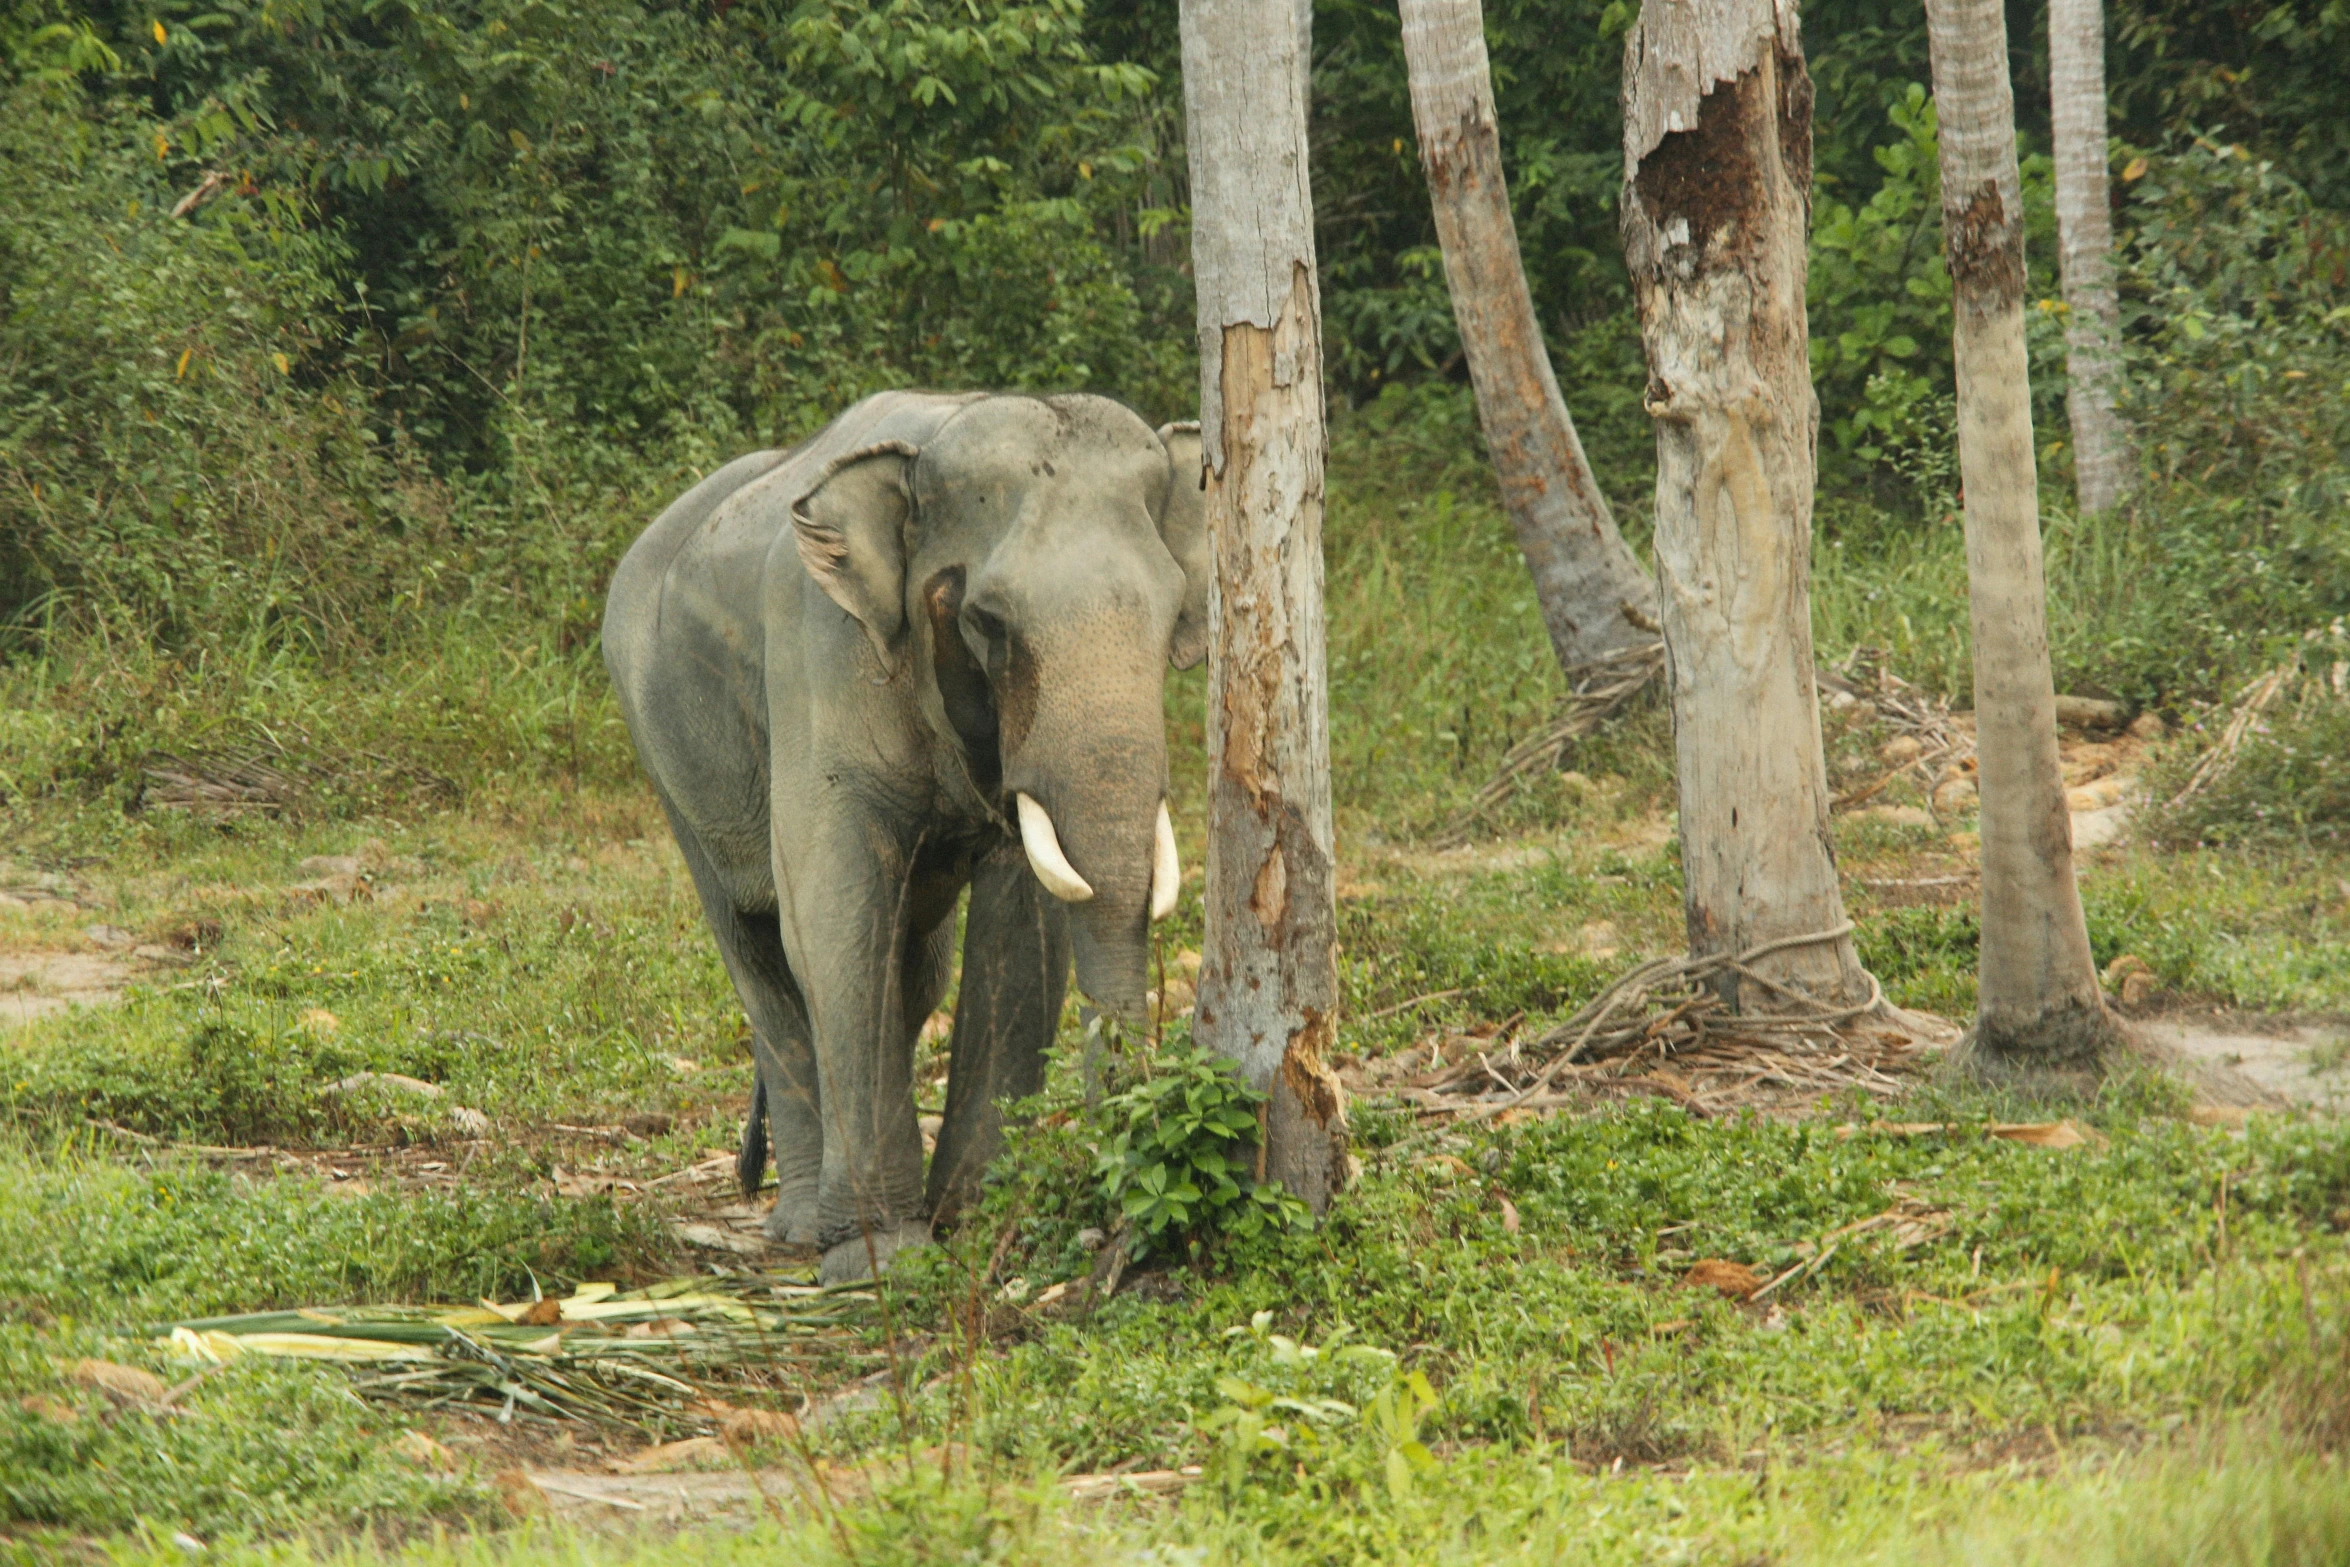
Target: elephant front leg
[1015,974]
[848,935]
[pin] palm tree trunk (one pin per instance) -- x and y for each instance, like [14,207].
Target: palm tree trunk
[1595,598]
[2103,469]
[1717,204]
[2039,1004]
[1268,993]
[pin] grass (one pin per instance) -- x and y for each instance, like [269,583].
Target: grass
[2260,1506]
[2124,1347]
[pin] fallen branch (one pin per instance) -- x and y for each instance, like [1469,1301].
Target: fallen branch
[1666,1010]
[2301,671]
[1406,1006]
[1600,691]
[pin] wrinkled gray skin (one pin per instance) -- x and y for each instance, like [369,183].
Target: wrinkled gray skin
[839,664]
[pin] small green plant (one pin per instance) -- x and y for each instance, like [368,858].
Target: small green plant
[1175,1155]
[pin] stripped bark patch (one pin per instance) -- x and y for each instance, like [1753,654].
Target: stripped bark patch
[1708,179]
[1984,247]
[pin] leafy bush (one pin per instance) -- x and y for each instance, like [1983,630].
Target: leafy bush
[183,453]
[2240,350]
[1881,322]
[1177,1146]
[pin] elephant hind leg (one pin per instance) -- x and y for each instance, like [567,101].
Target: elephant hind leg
[783,1051]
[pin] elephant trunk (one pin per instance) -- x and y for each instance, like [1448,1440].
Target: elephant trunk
[1092,826]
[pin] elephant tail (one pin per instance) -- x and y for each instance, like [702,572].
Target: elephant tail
[750,1161]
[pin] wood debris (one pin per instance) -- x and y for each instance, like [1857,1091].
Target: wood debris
[2318,671]
[1662,1030]
[1600,690]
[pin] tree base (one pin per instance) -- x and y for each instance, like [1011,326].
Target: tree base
[2065,1048]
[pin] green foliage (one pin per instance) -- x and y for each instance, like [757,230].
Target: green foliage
[182,452]
[1297,1418]
[2290,785]
[1881,322]
[1556,72]
[259,1449]
[2270,78]
[2242,349]
[1177,1146]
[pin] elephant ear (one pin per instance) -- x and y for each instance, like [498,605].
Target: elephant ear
[851,531]
[1183,524]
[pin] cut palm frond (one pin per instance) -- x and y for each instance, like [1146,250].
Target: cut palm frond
[646,1359]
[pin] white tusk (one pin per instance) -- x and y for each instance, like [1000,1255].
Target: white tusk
[1052,867]
[1166,868]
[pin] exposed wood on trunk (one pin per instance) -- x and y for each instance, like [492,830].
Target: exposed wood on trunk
[1717,197]
[1268,993]
[2103,468]
[2039,1002]
[1596,600]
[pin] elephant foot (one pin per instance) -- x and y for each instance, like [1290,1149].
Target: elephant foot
[792,1223]
[865,1256]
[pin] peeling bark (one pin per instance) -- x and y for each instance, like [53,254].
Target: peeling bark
[2038,1001]
[1268,994]
[1595,598]
[2104,472]
[1717,202]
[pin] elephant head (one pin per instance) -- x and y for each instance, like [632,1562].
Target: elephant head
[1031,568]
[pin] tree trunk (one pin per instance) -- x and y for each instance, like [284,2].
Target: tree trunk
[2103,469]
[1268,992]
[2038,1003]
[1595,598]
[1716,205]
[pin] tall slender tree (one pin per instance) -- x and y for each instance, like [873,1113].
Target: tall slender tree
[1716,208]
[1595,598]
[2103,468]
[2038,1001]
[1269,984]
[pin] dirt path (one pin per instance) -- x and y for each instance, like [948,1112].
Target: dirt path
[36,984]
[2282,1061]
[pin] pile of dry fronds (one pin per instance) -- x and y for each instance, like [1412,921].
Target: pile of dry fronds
[1945,745]
[639,1359]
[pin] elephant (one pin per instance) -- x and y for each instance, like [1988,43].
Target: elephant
[924,650]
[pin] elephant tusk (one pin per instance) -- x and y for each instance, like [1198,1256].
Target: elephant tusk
[1166,868]
[1052,867]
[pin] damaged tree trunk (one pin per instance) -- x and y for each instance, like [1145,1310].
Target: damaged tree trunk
[2102,465]
[1716,206]
[1595,598]
[2038,1002]
[1268,994]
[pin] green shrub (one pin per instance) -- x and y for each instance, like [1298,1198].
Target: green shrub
[1176,1151]
[184,457]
